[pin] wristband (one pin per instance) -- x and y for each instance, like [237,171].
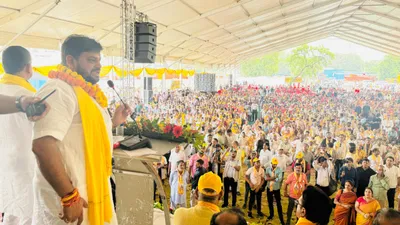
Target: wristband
[18,103]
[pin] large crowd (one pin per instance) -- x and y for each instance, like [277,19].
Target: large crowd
[274,138]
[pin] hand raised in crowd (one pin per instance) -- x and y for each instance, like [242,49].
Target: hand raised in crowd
[26,101]
[74,212]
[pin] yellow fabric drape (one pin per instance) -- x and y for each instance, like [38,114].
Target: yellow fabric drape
[180,183]
[137,72]
[97,159]
[16,80]
[105,70]
[44,70]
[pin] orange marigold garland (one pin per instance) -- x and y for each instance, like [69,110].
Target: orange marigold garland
[74,79]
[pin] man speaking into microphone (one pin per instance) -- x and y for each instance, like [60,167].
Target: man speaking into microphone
[73,143]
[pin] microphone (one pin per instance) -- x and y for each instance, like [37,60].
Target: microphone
[111,85]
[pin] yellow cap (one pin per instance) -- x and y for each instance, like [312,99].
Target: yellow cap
[256,160]
[299,155]
[274,161]
[210,181]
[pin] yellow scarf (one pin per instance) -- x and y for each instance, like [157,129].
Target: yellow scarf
[16,80]
[180,183]
[97,159]
[376,159]
[298,186]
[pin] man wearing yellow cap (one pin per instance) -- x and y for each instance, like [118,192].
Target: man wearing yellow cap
[274,178]
[255,178]
[209,192]
[306,167]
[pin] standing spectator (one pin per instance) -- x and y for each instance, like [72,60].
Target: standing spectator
[200,170]
[254,112]
[274,179]
[178,181]
[313,207]
[249,163]
[177,154]
[306,168]
[375,159]
[366,208]
[283,160]
[216,162]
[231,176]
[348,172]
[345,199]
[364,173]
[265,156]
[297,182]
[193,160]
[230,138]
[339,154]
[393,174]
[323,167]
[379,183]
[255,179]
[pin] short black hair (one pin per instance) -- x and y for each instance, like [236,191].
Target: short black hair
[390,157]
[365,160]
[229,131]
[235,211]
[15,58]
[317,204]
[321,159]
[76,44]
[200,161]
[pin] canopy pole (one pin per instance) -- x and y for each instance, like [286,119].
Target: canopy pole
[31,24]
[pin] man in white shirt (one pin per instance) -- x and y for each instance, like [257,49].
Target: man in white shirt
[323,166]
[393,173]
[255,178]
[18,162]
[65,169]
[283,161]
[375,159]
[265,156]
[231,177]
[230,137]
[176,155]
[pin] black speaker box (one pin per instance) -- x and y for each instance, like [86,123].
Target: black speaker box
[146,28]
[145,42]
[140,47]
[144,57]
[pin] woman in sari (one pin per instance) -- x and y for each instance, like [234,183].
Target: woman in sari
[178,181]
[344,213]
[366,208]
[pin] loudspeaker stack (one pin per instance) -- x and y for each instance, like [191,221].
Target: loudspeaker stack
[145,42]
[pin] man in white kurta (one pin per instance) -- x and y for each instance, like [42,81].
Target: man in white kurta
[64,123]
[62,130]
[17,160]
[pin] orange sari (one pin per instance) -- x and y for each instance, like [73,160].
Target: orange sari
[342,215]
[367,207]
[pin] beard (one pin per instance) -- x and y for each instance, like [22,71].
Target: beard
[87,75]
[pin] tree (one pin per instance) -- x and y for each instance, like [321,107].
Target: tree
[348,62]
[307,61]
[267,65]
[389,67]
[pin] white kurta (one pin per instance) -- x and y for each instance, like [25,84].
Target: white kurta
[63,122]
[17,159]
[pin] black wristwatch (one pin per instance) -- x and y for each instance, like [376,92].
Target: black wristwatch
[18,103]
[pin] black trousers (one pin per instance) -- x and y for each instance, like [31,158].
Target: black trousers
[270,197]
[290,210]
[255,196]
[324,189]
[230,184]
[390,195]
[338,165]
[246,193]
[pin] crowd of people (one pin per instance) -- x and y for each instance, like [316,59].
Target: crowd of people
[275,138]
[321,148]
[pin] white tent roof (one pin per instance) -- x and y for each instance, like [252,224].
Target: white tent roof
[209,31]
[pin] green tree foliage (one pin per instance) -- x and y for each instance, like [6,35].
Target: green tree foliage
[389,67]
[348,62]
[308,61]
[267,65]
